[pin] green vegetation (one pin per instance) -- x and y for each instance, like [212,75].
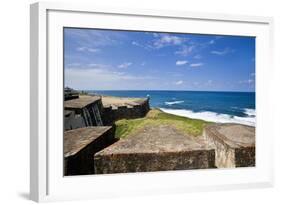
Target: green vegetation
[156,117]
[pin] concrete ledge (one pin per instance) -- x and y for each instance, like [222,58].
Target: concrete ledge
[149,162]
[81,144]
[159,148]
[123,108]
[234,144]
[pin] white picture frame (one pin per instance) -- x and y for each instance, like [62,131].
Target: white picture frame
[46,162]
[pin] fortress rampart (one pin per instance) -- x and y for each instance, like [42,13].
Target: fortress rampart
[90,146]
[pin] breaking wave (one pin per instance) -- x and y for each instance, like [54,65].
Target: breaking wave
[215,117]
[174,102]
[250,112]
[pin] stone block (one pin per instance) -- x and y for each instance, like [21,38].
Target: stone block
[159,148]
[234,144]
[81,144]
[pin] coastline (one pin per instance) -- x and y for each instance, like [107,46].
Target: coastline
[211,116]
[213,106]
[115,129]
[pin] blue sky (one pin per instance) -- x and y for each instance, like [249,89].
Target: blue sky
[125,60]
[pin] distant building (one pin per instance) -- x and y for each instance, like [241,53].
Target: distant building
[70,93]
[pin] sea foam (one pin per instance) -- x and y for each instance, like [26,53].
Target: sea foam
[250,112]
[174,102]
[212,116]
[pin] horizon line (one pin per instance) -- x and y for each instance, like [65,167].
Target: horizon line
[171,90]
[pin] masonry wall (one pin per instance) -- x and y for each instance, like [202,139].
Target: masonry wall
[110,114]
[245,157]
[73,121]
[83,163]
[150,162]
[227,156]
[79,118]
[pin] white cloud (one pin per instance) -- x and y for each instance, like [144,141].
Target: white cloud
[222,52]
[167,40]
[196,83]
[193,65]
[181,62]
[197,56]
[72,65]
[103,78]
[125,65]
[97,65]
[135,43]
[84,48]
[179,82]
[155,34]
[185,50]
[93,38]
[249,81]
[144,46]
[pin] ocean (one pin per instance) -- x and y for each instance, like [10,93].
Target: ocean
[222,107]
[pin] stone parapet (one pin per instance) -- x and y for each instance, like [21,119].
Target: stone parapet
[159,148]
[234,144]
[81,144]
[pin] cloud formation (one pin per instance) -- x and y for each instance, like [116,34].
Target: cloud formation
[178,63]
[125,65]
[193,65]
[163,40]
[179,82]
[84,48]
[185,50]
[248,81]
[102,78]
[222,52]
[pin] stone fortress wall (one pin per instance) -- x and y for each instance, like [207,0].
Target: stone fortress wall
[89,127]
[90,146]
[95,111]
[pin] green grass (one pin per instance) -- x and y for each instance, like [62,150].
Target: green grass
[156,117]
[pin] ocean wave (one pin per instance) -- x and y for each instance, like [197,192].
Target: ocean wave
[212,116]
[174,102]
[250,112]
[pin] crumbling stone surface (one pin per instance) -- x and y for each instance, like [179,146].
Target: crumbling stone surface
[234,144]
[81,144]
[157,148]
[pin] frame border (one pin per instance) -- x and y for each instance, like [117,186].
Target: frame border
[39,188]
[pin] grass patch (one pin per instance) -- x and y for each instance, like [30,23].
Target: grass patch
[156,117]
